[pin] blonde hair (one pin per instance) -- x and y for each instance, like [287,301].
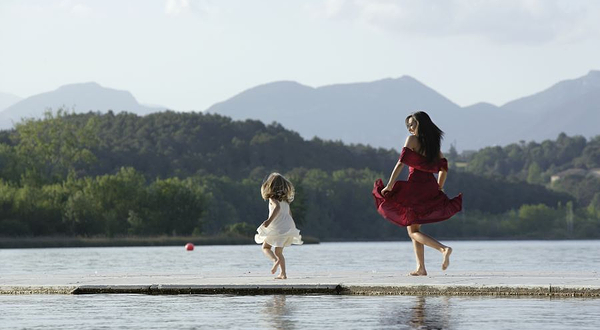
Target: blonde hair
[276,186]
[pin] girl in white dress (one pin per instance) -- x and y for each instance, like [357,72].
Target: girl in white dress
[279,230]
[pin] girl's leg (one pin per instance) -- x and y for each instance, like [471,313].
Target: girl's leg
[281,262]
[266,248]
[416,235]
[269,253]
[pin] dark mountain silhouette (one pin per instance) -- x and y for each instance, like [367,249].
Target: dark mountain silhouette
[82,97]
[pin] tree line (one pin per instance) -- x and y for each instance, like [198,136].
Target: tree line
[199,174]
[567,164]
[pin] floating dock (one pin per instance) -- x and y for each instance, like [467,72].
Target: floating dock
[346,283]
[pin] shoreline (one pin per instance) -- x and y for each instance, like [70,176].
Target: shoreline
[68,242]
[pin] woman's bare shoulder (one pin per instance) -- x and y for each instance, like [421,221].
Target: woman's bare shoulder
[411,142]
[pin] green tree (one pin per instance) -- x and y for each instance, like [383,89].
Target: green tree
[534,174]
[176,207]
[102,205]
[594,206]
[48,149]
[240,229]
[535,218]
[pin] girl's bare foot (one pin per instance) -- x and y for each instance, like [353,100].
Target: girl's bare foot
[281,277]
[446,262]
[418,272]
[274,268]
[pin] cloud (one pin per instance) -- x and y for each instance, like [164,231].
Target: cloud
[81,10]
[24,8]
[48,8]
[178,7]
[502,21]
[75,8]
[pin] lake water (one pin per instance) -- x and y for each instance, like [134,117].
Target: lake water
[299,312]
[294,312]
[468,256]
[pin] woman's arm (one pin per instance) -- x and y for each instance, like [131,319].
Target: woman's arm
[409,143]
[393,176]
[274,214]
[442,174]
[442,178]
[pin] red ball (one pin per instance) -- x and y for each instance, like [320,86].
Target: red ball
[189,247]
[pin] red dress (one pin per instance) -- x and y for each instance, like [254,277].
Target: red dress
[419,199]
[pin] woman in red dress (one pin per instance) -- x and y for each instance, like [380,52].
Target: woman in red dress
[421,199]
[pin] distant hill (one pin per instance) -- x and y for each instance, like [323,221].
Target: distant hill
[570,106]
[82,97]
[561,93]
[373,113]
[368,113]
[7,100]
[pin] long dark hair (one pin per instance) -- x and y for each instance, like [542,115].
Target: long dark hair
[429,135]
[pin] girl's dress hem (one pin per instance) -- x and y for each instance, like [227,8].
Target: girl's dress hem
[282,231]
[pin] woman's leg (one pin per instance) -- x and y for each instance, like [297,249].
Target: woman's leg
[419,252]
[281,262]
[416,235]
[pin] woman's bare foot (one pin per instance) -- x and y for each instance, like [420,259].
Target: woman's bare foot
[281,277]
[418,272]
[447,251]
[274,268]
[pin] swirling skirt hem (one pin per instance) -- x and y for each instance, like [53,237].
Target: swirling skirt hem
[279,241]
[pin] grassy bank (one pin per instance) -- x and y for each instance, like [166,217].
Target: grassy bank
[56,242]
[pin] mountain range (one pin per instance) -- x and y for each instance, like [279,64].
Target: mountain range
[365,113]
[82,97]
[7,100]
[374,112]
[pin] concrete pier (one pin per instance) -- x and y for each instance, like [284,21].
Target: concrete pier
[351,283]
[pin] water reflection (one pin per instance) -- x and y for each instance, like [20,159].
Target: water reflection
[419,312]
[278,314]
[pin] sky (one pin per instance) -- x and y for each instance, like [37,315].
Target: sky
[190,54]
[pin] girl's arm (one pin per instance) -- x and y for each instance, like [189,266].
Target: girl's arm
[274,214]
[411,142]
[442,174]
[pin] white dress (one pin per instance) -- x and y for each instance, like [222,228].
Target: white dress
[282,231]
